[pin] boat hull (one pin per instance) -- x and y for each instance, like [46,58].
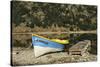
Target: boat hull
[42,46]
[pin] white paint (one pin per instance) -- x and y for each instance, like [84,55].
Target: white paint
[38,50]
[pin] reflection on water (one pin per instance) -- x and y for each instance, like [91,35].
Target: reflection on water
[25,40]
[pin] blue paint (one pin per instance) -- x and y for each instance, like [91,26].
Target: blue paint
[38,41]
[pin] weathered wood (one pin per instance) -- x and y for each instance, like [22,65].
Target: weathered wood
[80,48]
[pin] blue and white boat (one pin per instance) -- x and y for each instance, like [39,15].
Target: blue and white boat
[44,45]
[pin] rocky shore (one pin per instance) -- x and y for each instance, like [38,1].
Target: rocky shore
[23,56]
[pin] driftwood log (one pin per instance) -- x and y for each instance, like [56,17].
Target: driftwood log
[80,48]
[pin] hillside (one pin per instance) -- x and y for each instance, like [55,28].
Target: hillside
[37,16]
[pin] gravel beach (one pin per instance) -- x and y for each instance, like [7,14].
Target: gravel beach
[23,56]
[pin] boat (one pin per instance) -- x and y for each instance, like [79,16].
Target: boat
[44,45]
